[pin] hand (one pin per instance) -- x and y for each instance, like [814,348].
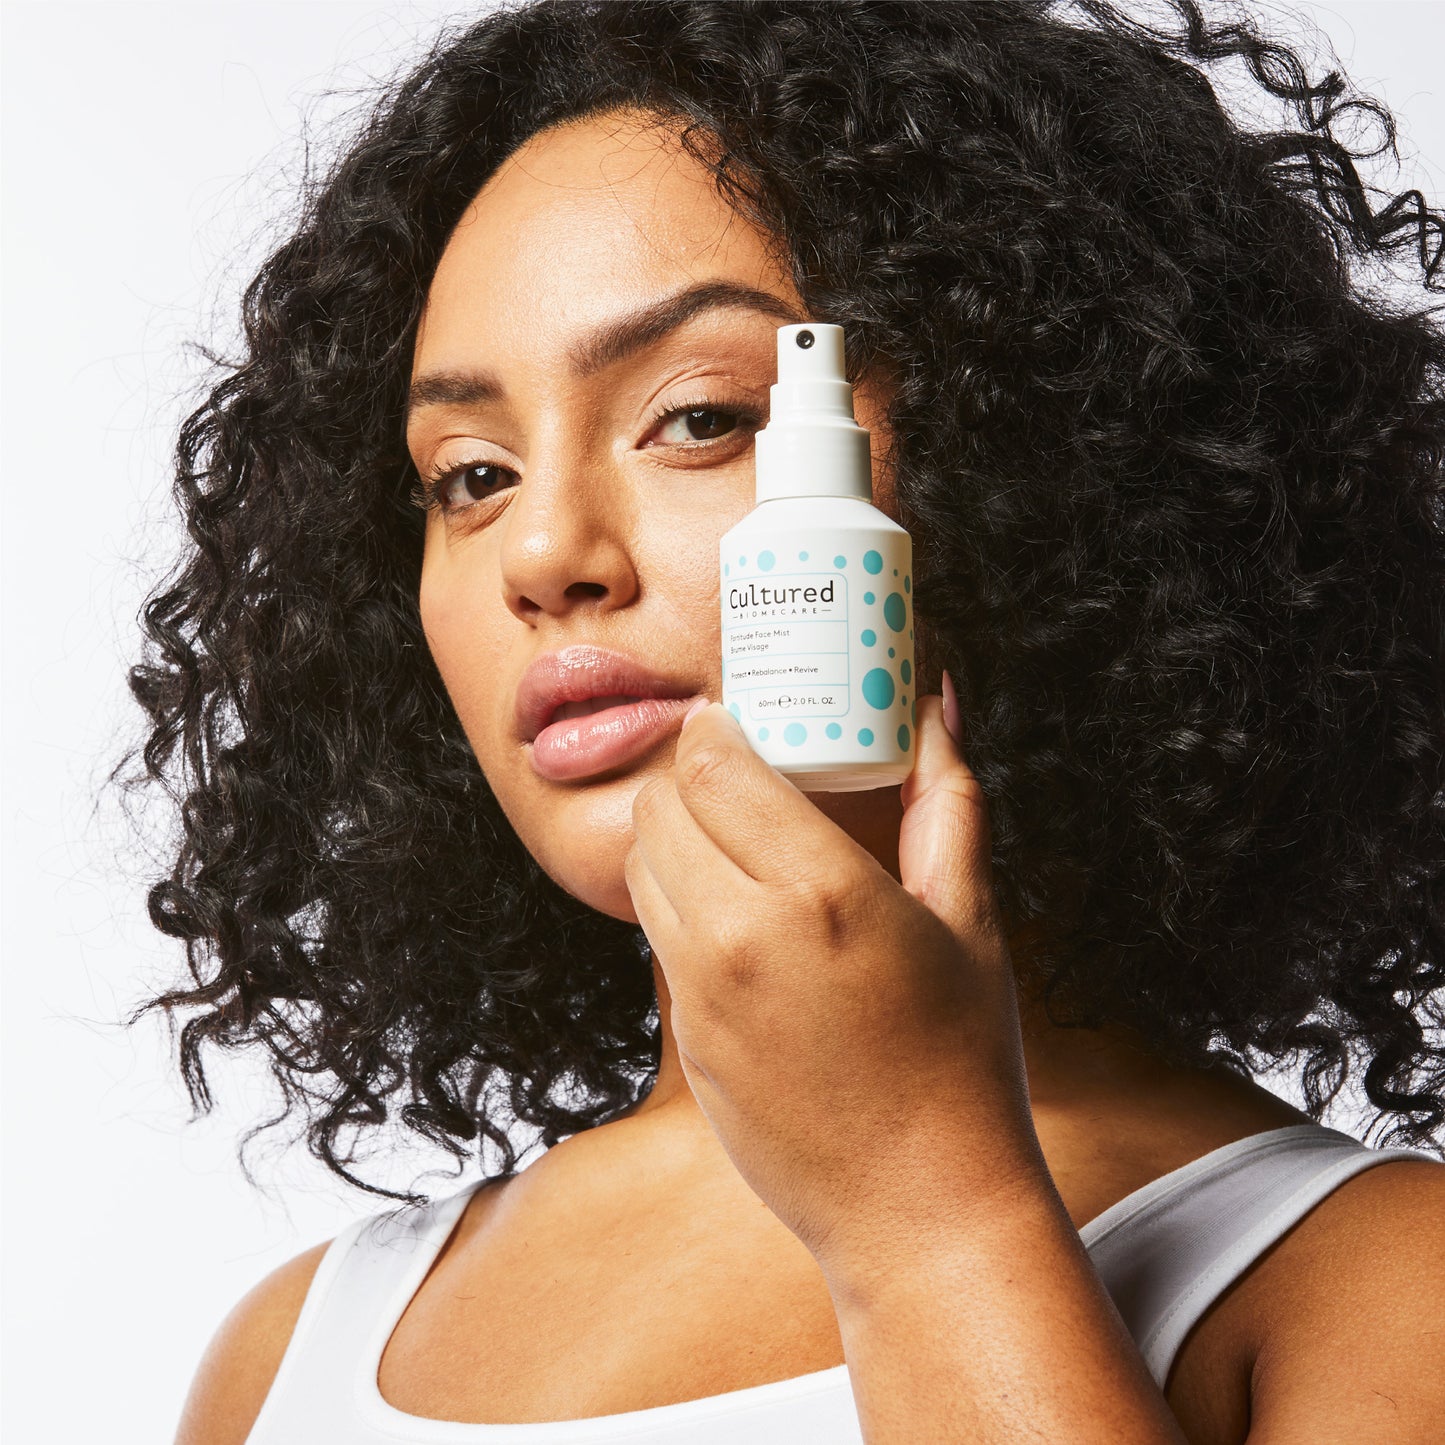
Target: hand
[854,1042]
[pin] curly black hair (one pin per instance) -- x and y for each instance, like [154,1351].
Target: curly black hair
[1173,471]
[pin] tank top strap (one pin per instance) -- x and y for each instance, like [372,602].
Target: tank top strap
[1169,1250]
[362,1283]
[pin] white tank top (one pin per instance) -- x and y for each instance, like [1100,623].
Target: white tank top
[1165,1253]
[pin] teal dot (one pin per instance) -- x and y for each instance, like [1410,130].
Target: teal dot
[742,561]
[833,730]
[905,670]
[762,735]
[873,562]
[903,699]
[794,734]
[878,688]
[913,711]
[736,711]
[802,556]
[869,637]
[840,561]
[903,737]
[890,652]
[895,612]
[766,560]
[895,571]
[910,632]
[907,583]
[868,598]
[865,736]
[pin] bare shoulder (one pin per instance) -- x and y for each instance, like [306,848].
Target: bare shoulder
[244,1354]
[1350,1330]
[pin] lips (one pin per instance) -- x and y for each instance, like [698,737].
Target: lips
[604,741]
[583,674]
[590,706]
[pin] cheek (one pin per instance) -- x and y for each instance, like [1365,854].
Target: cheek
[462,635]
[685,567]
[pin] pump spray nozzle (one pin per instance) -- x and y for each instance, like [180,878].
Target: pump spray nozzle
[812,446]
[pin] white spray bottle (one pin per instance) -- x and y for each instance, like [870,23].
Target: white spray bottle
[817,589]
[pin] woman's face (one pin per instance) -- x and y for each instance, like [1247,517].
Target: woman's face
[589,479]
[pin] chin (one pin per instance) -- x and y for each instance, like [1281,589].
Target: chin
[588,864]
[595,882]
[580,837]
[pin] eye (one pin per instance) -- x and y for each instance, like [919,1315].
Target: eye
[477,480]
[703,421]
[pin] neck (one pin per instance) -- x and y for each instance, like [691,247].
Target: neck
[1067,1068]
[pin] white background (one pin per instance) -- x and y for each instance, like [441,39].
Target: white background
[145,146]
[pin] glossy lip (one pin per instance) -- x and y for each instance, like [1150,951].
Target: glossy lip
[579,747]
[583,671]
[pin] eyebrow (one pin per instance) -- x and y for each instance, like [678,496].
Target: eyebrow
[610,343]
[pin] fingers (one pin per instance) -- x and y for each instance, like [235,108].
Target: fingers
[762,822]
[944,844]
[682,862]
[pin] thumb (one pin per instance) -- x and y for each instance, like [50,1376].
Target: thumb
[944,843]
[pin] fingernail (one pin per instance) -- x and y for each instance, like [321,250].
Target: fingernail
[950,711]
[697,706]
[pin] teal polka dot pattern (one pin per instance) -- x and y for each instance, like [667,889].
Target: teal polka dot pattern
[887,689]
[878,688]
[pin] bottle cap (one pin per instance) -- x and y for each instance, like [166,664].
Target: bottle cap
[812,446]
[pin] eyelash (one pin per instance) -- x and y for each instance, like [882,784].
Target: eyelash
[428,494]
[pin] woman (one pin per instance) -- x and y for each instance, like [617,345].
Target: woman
[898,1115]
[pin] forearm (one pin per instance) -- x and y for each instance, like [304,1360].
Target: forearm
[1003,1333]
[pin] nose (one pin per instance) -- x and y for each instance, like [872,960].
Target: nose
[565,538]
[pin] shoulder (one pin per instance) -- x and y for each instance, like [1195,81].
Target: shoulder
[241,1361]
[1359,1295]
[1375,1243]
[1348,1333]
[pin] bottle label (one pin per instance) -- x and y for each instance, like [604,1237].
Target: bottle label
[817,650]
[785,644]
